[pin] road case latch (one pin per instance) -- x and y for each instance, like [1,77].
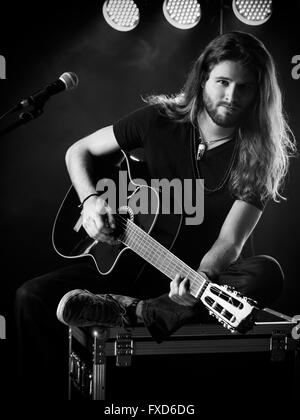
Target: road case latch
[123,349]
[278,346]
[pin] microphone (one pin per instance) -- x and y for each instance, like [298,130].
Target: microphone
[66,81]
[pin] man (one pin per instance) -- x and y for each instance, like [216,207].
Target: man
[227,127]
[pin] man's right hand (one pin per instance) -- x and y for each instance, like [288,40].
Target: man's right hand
[98,220]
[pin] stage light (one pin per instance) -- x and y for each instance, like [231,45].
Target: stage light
[183,14]
[252,12]
[122,15]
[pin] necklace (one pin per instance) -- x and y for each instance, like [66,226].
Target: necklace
[204,144]
[197,155]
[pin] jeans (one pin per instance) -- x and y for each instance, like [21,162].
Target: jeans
[43,341]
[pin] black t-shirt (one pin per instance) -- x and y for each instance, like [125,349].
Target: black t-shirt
[170,153]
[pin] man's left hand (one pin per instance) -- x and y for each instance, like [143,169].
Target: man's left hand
[180,291]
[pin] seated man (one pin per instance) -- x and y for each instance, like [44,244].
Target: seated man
[227,127]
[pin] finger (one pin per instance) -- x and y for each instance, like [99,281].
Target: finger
[101,206]
[90,227]
[97,231]
[98,221]
[106,213]
[175,283]
[184,287]
[174,289]
[177,279]
[110,217]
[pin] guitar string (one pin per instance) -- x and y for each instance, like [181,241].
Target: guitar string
[162,256]
[198,280]
[182,266]
[163,259]
[143,235]
[153,247]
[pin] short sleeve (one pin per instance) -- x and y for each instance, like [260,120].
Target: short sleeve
[256,201]
[131,130]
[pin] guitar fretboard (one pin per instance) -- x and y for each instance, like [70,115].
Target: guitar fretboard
[160,257]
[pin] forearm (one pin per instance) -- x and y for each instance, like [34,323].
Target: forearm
[80,159]
[219,257]
[80,167]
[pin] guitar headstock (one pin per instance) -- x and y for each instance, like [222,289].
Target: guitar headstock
[233,310]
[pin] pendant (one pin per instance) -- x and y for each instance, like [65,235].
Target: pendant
[201,150]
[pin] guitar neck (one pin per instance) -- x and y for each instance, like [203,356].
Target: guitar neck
[160,257]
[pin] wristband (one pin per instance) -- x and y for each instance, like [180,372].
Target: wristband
[86,198]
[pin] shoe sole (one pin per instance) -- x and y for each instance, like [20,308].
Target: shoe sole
[62,304]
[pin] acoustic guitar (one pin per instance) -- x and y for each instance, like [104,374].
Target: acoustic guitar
[136,231]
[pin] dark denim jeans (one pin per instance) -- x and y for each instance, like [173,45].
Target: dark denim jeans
[42,339]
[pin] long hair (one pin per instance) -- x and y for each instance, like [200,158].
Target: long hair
[265,141]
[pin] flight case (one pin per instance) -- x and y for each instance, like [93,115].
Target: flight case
[91,348]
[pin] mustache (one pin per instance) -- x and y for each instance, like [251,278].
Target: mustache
[231,105]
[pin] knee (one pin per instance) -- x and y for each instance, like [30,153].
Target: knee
[260,277]
[271,278]
[271,268]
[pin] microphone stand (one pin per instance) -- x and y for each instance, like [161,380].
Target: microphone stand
[23,118]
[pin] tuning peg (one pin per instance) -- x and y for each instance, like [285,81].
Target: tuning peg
[251,301]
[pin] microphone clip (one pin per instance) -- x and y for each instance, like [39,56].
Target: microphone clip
[28,116]
[37,101]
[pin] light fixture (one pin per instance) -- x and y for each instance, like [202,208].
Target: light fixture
[183,14]
[252,12]
[122,15]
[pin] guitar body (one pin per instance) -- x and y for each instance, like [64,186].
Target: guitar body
[70,239]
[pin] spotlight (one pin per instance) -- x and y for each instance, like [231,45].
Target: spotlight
[252,12]
[183,14]
[122,15]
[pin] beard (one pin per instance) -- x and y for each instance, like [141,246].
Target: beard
[225,120]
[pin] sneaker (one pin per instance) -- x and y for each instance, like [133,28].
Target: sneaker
[82,308]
